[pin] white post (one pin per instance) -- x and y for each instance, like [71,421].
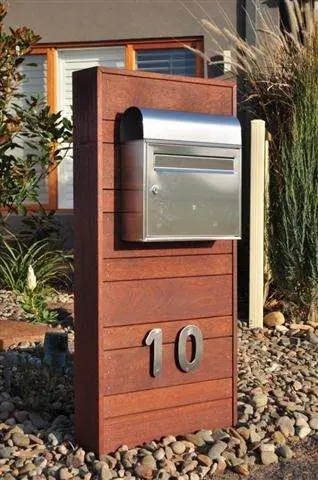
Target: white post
[256,283]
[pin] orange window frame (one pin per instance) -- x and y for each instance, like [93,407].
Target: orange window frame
[131,46]
[196,44]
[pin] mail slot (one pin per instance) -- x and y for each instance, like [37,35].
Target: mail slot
[180,176]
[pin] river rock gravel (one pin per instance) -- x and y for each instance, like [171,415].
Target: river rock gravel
[277,416]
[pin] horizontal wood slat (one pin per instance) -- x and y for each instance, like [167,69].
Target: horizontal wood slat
[169,397]
[187,81]
[128,370]
[114,247]
[175,97]
[133,335]
[147,301]
[145,427]
[166,267]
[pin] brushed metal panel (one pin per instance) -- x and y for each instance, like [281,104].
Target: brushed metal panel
[192,204]
[181,176]
[151,124]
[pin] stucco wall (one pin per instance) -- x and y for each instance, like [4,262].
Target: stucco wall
[73,20]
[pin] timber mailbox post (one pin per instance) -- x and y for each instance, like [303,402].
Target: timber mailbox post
[157,169]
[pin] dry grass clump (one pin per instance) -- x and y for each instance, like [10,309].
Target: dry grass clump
[278,79]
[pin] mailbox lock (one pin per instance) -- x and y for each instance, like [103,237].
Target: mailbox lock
[155,189]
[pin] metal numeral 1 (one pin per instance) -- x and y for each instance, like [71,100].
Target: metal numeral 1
[154,338]
[195,332]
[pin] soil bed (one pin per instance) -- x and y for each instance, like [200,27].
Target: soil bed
[277,426]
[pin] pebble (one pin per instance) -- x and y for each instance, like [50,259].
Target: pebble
[267,447]
[221,466]
[286,426]
[277,404]
[217,449]
[144,471]
[313,338]
[167,440]
[279,438]
[195,439]
[273,319]
[260,400]
[304,432]
[284,451]
[65,474]
[105,473]
[20,440]
[159,454]
[204,460]
[205,435]
[242,469]
[6,452]
[268,457]
[178,447]
[7,407]
[194,476]
[189,466]
[314,423]
[149,461]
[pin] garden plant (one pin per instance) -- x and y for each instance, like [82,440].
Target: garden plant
[33,141]
[278,79]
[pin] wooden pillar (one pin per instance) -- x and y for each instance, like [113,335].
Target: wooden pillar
[256,288]
[124,290]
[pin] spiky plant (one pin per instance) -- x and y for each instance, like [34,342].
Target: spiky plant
[279,84]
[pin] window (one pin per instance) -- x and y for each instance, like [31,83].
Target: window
[35,70]
[53,77]
[68,62]
[173,61]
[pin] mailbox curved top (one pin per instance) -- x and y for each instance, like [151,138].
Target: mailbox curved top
[170,125]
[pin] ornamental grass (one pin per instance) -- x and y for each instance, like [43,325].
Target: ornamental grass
[278,82]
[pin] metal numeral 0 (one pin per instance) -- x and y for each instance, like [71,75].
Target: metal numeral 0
[154,338]
[195,332]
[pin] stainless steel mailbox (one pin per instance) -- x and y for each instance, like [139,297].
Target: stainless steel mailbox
[180,176]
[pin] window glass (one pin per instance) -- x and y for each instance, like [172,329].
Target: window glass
[68,62]
[34,84]
[174,61]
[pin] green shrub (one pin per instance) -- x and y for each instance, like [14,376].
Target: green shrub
[52,268]
[33,139]
[32,272]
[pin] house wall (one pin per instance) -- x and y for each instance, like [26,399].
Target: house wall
[71,20]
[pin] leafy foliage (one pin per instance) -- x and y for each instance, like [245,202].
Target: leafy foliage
[52,268]
[33,140]
[32,272]
[34,305]
[44,225]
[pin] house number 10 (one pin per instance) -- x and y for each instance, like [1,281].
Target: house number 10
[154,340]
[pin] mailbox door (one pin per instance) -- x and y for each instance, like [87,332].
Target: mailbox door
[192,192]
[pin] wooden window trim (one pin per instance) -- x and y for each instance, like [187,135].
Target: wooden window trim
[131,46]
[52,85]
[165,44]
[42,47]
